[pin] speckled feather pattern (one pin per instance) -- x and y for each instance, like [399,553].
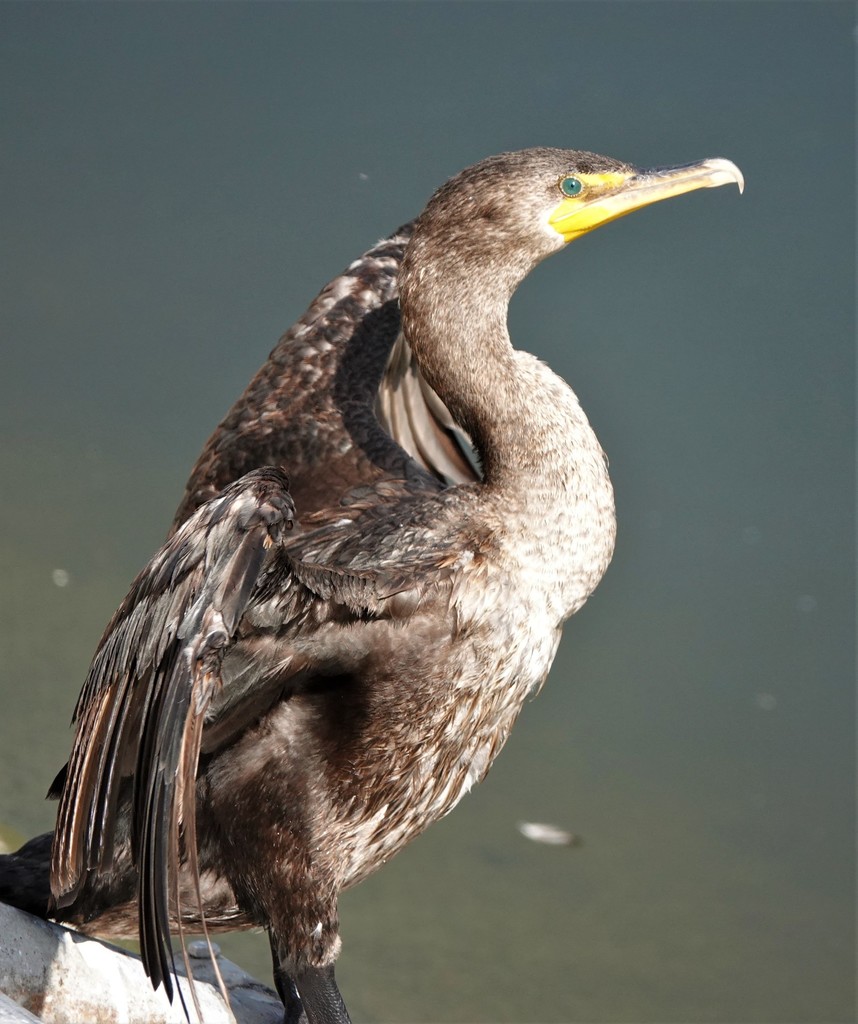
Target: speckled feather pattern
[336,687]
[312,407]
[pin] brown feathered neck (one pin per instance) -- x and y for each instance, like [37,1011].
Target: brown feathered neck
[477,239]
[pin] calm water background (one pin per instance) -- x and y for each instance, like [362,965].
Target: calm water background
[179,181]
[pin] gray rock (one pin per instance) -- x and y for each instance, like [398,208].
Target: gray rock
[12,1013]
[63,977]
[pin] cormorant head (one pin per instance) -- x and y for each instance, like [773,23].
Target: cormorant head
[516,208]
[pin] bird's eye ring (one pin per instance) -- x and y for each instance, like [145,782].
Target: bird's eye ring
[570,186]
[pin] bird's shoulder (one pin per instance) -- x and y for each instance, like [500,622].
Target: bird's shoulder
[386,551]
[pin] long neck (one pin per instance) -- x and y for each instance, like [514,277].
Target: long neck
[522,418]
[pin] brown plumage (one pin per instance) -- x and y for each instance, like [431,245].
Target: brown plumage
[309,673]
[338,388]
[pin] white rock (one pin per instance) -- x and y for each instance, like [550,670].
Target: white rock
[61,976]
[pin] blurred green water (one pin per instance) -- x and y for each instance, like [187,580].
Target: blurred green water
[178,181]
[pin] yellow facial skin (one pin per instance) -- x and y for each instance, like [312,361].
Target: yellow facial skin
[604,197]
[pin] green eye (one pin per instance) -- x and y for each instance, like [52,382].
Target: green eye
[570,186]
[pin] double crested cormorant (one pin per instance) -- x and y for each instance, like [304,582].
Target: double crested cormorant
[278,706]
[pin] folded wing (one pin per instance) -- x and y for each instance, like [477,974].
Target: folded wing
[155,674]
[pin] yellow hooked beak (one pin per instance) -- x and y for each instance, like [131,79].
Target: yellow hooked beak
[604,197]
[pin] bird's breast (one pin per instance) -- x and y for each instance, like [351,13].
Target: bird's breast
[423,725]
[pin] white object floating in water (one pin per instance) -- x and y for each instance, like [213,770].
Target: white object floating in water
[551,835]
[60,577]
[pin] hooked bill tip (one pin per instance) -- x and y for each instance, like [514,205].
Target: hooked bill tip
[725,172]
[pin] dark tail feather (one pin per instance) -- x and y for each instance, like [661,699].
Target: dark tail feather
[25,876]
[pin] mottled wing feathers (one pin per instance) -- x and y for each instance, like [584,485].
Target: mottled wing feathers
[142,707]
[339,401]
[309,407]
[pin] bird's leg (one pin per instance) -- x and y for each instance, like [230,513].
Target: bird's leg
[294,1010]
[278,875]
